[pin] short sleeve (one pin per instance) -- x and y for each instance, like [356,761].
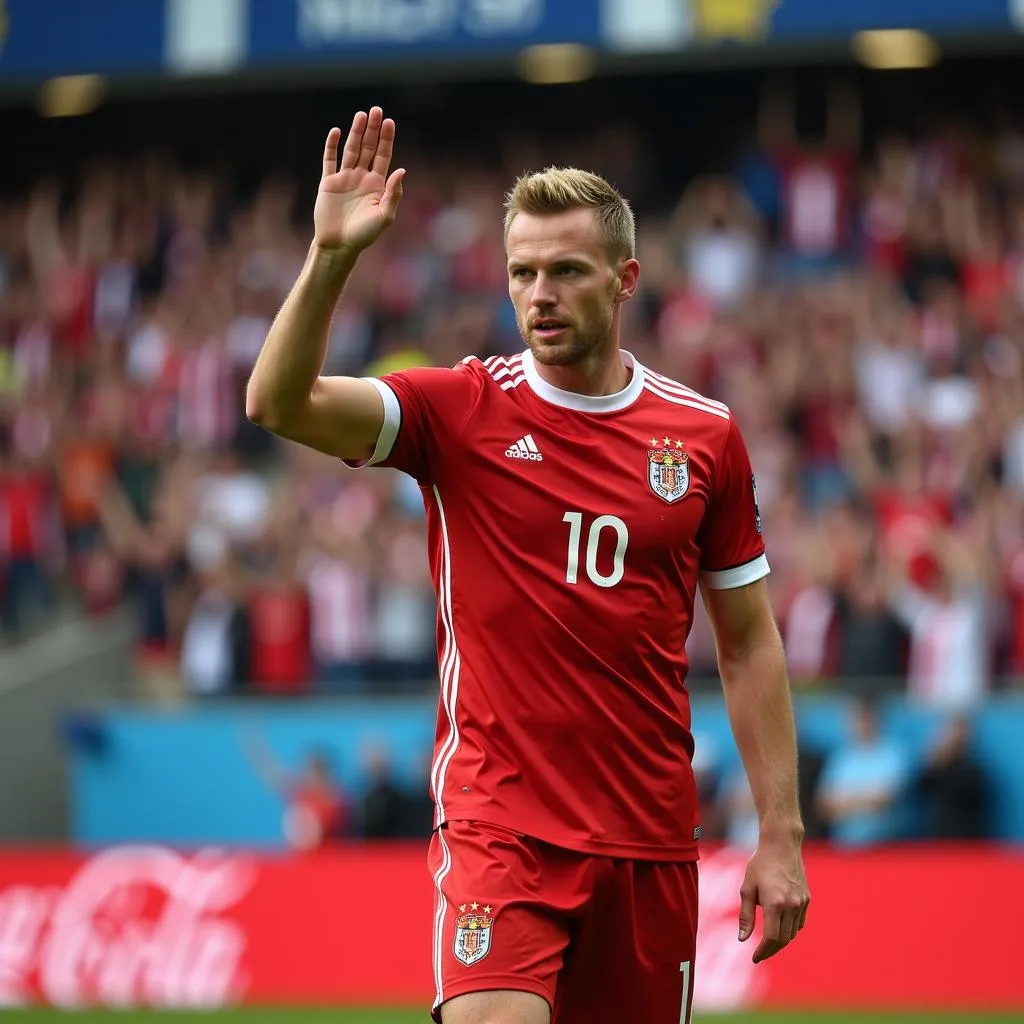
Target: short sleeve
[426,409]
[732,548]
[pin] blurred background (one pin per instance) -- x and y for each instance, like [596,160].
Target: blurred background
[217,656]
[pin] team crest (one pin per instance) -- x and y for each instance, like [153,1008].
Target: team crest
[668,470]
[473,929]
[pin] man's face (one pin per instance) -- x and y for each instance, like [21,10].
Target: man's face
[563,285]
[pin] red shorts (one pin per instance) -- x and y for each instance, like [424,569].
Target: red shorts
[603,940]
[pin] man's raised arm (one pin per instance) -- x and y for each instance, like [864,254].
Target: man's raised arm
[341,416]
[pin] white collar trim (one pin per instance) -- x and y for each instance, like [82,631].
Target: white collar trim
[586,403]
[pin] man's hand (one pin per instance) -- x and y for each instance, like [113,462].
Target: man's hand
[774,880]
[357,201]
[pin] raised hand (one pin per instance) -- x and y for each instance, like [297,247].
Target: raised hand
[357,201]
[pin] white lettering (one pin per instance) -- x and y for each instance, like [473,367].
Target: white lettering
[393,21]
[23,914]
[141,926]
[323,22]
[502,17]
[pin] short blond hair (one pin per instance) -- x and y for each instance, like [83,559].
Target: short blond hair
[560,189]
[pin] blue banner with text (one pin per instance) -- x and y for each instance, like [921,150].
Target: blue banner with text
[295,31]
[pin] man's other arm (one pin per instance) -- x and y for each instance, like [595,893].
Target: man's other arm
[752,665]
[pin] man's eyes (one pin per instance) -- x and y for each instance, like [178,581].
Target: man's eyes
[521,272]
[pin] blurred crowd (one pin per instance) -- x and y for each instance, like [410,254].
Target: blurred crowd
[867,786]
[865,789]
[859,304]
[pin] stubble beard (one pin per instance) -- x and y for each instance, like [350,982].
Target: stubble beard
[568,351]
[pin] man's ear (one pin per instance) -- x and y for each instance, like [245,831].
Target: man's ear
[628,278]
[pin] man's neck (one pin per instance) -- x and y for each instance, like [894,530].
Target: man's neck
[601,373]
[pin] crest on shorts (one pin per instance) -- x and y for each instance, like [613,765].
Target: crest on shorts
[668,469]
[473,929]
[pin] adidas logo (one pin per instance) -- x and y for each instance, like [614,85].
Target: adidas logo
[524,448]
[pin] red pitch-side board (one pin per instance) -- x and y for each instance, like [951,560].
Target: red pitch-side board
[923,927]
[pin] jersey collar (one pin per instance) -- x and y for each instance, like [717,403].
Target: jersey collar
[586,403]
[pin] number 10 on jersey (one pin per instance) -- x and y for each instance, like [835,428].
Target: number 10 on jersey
[594,541]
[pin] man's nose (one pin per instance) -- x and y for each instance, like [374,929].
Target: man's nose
[543,293]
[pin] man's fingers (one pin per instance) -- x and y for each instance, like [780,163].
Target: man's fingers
[331,151]
[773,915]
[790,924]
[392,196]
[767,948]
[772,938]
[371,137]
[748,909]
[782,923]
[385,147]
[354,142]
[803,914]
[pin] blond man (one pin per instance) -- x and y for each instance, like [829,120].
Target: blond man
[575,502]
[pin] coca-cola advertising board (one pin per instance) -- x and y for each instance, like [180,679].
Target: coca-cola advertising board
[913,927]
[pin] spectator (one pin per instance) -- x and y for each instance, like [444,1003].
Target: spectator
[872,642]
[215,644]
[717,234]
[154,552]
[954,785]
[30,542]
[863,782]
[278,607]
[339,579]
[232,504]
[890,365]
[404,620]
[816,179]
[810,765]
[948,623]
[384,812]
[419,804]
[85,469]
[317,810]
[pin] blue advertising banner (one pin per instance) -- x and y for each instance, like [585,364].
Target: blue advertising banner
[39,38]
[189,778]
[298,31]
[664,25]
[794,18]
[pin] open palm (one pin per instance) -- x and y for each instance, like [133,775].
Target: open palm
[358,200]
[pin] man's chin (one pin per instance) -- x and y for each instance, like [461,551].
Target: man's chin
[560,352]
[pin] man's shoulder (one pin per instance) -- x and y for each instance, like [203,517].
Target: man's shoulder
[703,424]
[684,399]
[505,371]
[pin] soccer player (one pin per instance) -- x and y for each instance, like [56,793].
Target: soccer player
[575,499]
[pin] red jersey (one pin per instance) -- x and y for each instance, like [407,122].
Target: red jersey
[567,534]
